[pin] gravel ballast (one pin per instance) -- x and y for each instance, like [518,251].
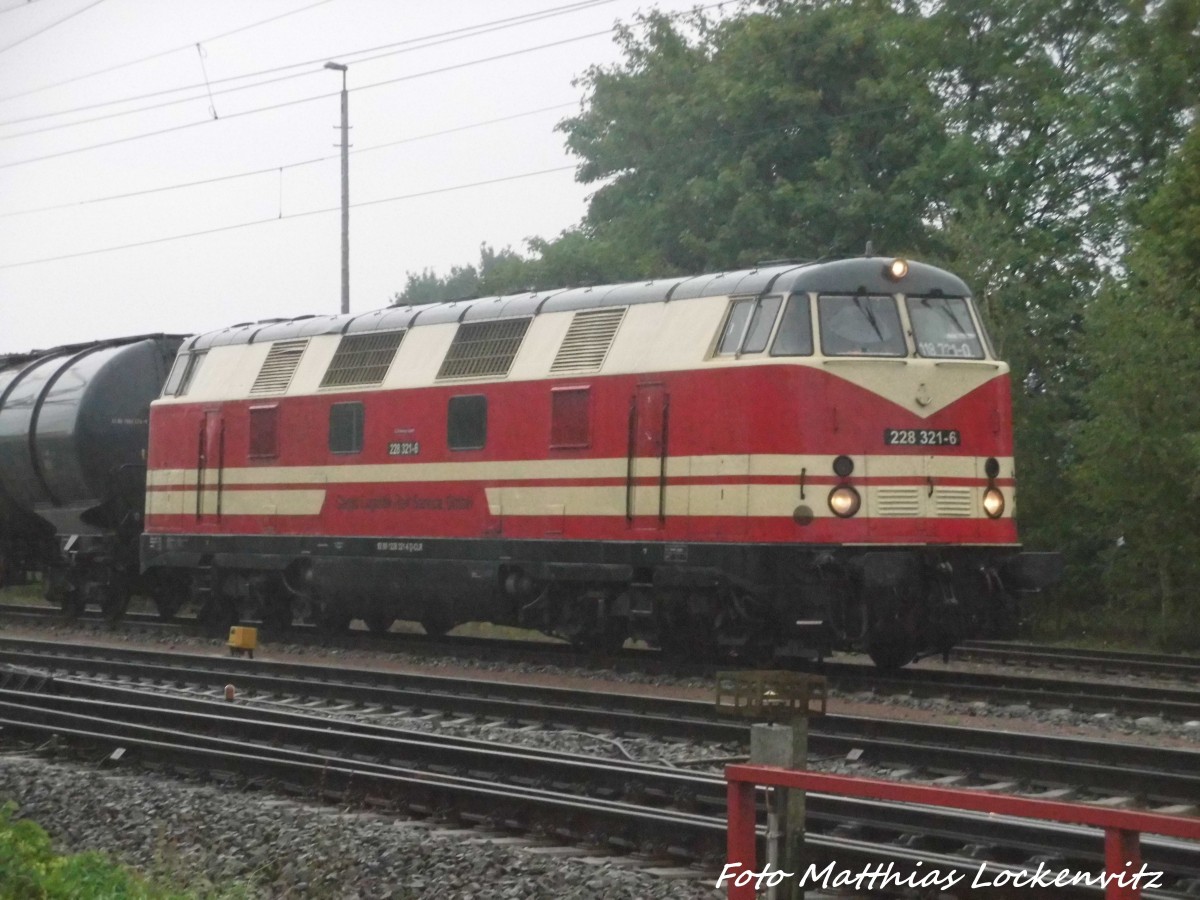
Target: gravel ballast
[207,837]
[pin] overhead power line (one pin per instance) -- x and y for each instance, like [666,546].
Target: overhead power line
[300,215]
[142,59]
[356,56]
[46,28]
[247,112]
[293,165]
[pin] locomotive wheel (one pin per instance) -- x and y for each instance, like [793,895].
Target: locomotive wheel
[218,614]
[332,621]
[277,614]
[608,637]
[890,654]
[435,627]
[380,623]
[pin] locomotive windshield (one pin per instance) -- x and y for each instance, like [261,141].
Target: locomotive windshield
[943,329]
[861,326]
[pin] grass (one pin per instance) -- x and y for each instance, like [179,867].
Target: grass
[30,869]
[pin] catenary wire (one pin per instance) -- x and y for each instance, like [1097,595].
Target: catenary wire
[306,162]
[301,100]
[55,24]
[406,46]
[299,215]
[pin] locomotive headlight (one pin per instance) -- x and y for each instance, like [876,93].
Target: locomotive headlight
[896,269]
[844,501]
[993,502]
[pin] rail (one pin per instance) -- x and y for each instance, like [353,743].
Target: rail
[1124,871]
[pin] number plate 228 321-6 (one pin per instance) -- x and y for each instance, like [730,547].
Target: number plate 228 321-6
[922,437]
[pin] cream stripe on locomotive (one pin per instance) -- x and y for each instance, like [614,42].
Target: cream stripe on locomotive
[172,492]
[721,499]
[236,503]
[731,466]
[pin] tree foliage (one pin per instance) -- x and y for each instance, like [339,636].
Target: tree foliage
[1139,461]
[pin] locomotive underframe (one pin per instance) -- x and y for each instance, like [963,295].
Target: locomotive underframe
[747,601]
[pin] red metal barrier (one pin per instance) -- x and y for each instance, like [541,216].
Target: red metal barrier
[1125,874]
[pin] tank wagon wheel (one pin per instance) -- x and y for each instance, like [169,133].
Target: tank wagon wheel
[168,606]
[72,604]
[114,601]
[379,623]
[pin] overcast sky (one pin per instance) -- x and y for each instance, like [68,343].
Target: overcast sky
[100,98]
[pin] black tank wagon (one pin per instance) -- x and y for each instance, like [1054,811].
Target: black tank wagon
[74,425]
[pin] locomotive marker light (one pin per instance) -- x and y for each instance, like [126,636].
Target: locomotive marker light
[896,269]
[844,501]
[993,502]
[993,498]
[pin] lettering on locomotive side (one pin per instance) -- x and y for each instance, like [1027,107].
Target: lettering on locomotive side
[400,546]
[450,502]
[404,448]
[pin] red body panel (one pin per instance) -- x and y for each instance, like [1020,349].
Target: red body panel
[748,411]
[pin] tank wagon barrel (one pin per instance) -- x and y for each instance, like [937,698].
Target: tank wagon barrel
[74,428]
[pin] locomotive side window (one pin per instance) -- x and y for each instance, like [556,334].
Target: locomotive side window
[466,423]
[943,328]
[264,432]
[183,373]
[795,337]
[749,325]
[346,428]
[176,375]
[860,326]
[570,418]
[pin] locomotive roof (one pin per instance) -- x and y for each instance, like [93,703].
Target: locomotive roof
[858,274]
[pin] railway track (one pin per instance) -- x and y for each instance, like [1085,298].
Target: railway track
[1121,662]
[630,804]
[1112,695]
[1089,768]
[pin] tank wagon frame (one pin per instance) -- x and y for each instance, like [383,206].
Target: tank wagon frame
[784,460]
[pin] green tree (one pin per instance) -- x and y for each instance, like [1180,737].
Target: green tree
[798,129]
[1140,450]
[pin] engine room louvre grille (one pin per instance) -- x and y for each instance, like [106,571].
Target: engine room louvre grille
[587,341]
[953,502]
[897,502]
[362,360]
[483,349]
[279,366]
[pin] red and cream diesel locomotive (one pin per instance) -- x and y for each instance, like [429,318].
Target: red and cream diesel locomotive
[787,460]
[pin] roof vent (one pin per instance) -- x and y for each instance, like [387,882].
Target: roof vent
[587,341]
[279,367]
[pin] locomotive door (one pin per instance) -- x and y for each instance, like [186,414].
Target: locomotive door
[210,466]
[646,466]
